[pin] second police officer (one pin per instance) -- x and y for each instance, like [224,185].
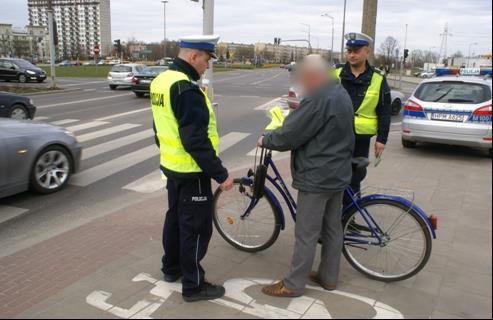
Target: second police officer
[371,98]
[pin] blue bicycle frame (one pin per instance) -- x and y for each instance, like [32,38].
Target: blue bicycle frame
[376,235]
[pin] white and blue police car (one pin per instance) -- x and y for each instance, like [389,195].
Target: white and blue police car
[453,108]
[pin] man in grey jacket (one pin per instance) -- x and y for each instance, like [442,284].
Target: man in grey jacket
[321,137]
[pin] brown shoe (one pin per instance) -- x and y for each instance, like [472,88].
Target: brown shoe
[315,278]
[279,290]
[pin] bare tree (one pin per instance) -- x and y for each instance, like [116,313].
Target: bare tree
[387,49]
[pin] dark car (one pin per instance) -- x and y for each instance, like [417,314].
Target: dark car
[20,70]
[16,107]
[141,82]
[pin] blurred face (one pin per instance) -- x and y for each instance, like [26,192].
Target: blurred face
[357,56]
[309,80]
[200,61]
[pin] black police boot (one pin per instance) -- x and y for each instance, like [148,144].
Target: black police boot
[172,277]
[208,292]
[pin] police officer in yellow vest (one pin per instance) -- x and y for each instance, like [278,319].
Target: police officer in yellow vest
[371,99]
[187,136]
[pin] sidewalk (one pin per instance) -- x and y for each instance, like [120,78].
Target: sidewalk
[110,268]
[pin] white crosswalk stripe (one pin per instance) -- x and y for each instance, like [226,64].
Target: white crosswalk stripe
[64,121]
[113,116]
[7,212]
[268,105]
[254,151]
[116,144]
[106,132]
[153,182]
[106,169]
[41,118]
[230,139]
[87,125]
[147,184]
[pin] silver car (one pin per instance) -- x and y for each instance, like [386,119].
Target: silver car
[123,74]
[37,156]
[454,110]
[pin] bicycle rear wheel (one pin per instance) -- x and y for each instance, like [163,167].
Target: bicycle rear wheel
[251,232]
[406,247]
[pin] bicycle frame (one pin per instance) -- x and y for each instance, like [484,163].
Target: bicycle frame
[375,232]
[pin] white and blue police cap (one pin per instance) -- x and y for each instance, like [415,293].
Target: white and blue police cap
[206,43]
[356,39]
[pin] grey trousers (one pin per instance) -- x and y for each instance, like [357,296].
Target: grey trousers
[318,215]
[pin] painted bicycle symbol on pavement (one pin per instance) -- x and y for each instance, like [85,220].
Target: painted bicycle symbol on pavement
[236,298]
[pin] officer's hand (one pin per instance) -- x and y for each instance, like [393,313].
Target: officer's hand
[379,148]
[227,184]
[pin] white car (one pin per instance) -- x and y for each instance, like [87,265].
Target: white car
[451,109]
[123,74]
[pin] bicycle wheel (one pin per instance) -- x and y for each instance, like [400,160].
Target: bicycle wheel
[252,232]
[406,247]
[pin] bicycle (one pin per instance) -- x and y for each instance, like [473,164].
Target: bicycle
[386,237]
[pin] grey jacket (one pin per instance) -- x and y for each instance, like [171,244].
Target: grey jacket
[321,136]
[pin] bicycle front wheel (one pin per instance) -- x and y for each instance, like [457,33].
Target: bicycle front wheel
[247,226]
[405,245]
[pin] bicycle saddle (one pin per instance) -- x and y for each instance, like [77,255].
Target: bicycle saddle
[360,162]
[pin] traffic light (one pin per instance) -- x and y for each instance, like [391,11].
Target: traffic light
[406,54]
[118,45]
[55,33]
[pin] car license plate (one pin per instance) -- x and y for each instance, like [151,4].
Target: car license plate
[448,117]
[145,81]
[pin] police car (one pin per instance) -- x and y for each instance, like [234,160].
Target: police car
[454,108]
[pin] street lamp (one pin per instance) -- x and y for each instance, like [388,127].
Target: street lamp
[309,35]
[469,54]
[432,52]
[208,29]
[164,27]
[343,30]
[326,15]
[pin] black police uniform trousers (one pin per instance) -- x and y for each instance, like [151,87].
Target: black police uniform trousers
[361,149]
[187,230]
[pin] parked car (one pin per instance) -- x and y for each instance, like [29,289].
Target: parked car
[90,63]
[20,70]
[293,100]
[114,62]
[65,63]
[165,62]
[426,74]
[16,107]
[453,110]
[122,74]
[37,156]
[141,82]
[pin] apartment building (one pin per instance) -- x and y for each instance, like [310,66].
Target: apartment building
[31,42]
[81,25]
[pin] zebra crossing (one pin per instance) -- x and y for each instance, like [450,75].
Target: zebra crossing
[124,134]
[89,131]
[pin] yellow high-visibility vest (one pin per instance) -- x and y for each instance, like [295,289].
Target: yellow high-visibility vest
[174,157]
[365,118]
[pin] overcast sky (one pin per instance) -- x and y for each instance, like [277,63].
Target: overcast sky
[260,20]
